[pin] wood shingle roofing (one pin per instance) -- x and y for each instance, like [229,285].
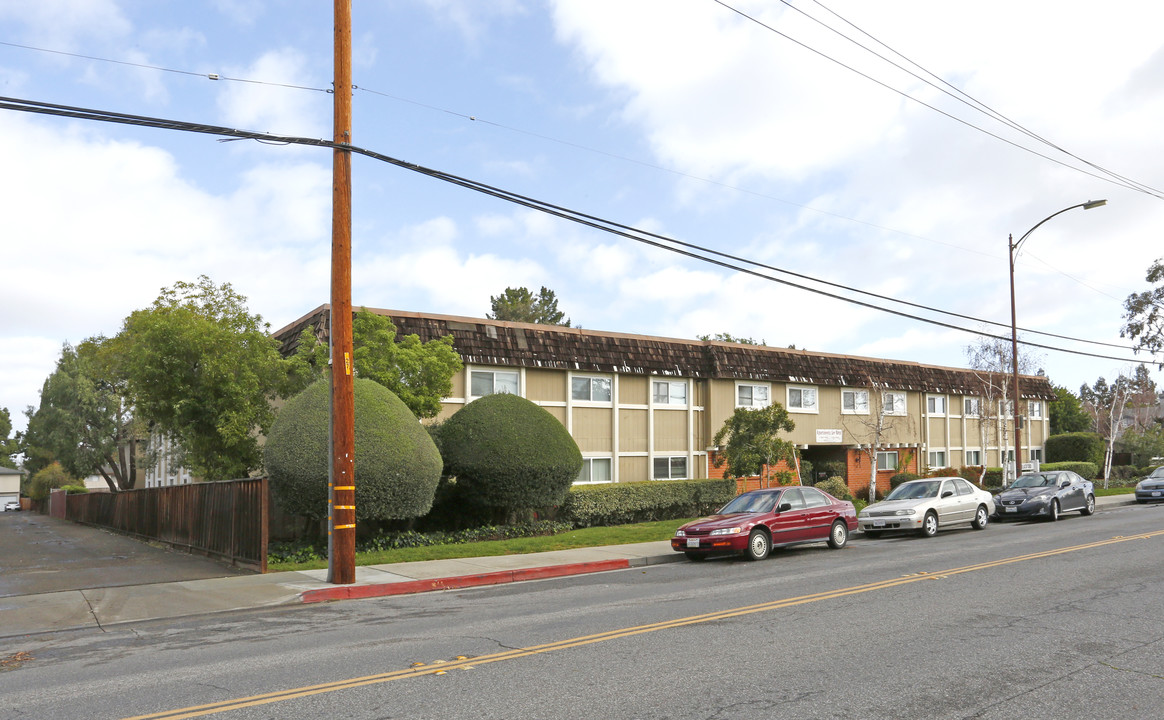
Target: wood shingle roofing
[501,343]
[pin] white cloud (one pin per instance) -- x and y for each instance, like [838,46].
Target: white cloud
[62,24]
[269,108]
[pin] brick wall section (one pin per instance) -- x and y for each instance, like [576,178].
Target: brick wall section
[857,467]
[749,483]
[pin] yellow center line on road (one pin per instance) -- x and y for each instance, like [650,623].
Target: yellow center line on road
[444,667]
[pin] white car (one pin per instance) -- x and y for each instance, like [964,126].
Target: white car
[926,505]
[12,505]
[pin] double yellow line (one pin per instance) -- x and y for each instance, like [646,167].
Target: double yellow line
[462,663]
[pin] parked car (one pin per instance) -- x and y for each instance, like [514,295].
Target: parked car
[1151,488]
[12,505]
[1046,495]
[757,521]
[928,504]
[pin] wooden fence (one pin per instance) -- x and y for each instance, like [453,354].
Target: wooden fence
[227,519]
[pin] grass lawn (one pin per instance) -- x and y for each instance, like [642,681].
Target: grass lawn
[586,537]
[1102,492]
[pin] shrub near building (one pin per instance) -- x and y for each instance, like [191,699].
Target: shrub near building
[397,465]
[509,454]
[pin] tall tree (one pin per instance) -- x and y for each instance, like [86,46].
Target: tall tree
[886,414]
[8,446]
[520,305]
[1107,403]
[1144,401]
[1144,313]
[203,371]
[84,418]
[991,362]
[1066,413]
[729,338]
[751,441]
[419,373]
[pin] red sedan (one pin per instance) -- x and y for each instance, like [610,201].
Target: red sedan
[757,521]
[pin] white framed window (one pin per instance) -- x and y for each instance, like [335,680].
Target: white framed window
[488,382]
[1037,454]
[590,389]
[669,467]
[887,460]
[670,392]
[594,471]
[802,399]
[854,402]
[974,457]
[1035,409]
[937,458]
[893,402]
[935,404]
[753,396]
[972,407]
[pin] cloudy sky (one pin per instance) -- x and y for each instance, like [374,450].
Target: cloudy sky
[774,138]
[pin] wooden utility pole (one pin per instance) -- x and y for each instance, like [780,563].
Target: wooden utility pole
[341,563]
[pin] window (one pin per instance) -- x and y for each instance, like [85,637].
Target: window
[1008,408]
[670,393]
[794,497]
[593,389]
[937,459]
[935,404]
[488,382]
[802,399]
[894,403]
[962,487]
[974,457]
[670,468]
[594,470]
[813,497]
[887,460]
[752,396]
[855,402]
[972,407]
[1037,454]
[1035,409]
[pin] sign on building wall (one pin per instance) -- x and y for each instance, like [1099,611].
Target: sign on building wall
[824,435]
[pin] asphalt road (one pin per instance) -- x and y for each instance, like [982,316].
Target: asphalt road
[40,554]
[1024,620]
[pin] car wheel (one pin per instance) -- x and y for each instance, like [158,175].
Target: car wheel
[695,557]
[1089,508]
[874,534]
[758,545]
[838,535]
[980,518]
[929,526]
[1053,514]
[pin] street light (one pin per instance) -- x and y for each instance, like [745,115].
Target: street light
[1014,247]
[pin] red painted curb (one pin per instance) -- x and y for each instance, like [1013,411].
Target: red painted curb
[409,587]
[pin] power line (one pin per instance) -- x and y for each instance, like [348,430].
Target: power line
[641,236]
[1106,176]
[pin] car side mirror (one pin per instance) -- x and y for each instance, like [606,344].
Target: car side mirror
[947,494]
[1065,483]
[784,507]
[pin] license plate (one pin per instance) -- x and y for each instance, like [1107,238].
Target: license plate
[1156,494]
[692,542]
[1010,509]
[878,523]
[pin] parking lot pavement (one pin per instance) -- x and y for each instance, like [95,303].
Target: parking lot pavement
[40,554]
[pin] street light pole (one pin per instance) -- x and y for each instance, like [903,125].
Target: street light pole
[1014,248]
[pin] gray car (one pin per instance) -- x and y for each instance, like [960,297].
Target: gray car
[1151,488]
[926,505]
[1046,495]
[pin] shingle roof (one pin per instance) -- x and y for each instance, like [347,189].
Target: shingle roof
[496,342]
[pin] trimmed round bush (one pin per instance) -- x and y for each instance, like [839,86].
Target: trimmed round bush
[506,452]
[397,465]
[836,487]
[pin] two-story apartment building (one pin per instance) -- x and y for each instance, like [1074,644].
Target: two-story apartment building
[643,408]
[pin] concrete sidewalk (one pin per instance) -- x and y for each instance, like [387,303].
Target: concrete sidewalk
[106,606]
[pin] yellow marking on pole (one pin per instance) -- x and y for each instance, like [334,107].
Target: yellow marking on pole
[347,363]
[420,670]
[344,487]
[345,507]
[345,527]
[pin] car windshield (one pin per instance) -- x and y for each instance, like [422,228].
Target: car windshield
[1158,473]
[916,490]
[753,502]
[1030,481]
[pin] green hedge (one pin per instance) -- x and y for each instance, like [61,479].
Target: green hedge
[836,487]
[622,503]
[1075,447]
[993,477]
[1088,470]
[899,478]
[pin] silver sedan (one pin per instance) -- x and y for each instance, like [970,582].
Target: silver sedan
[926,505]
